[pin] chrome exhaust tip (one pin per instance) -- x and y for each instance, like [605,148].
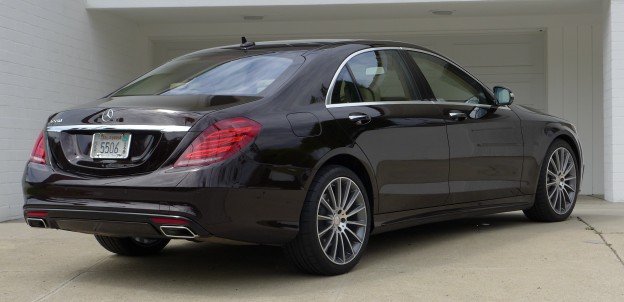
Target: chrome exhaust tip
[182,232]
[37,223]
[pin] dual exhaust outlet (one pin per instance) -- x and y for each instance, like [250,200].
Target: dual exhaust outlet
[170,231]
[173,227]
[37,223]
[179,232]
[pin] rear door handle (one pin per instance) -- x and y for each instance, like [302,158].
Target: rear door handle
[458,116]
[359,118]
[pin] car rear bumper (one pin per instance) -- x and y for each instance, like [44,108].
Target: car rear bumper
[116,208]
[113,223]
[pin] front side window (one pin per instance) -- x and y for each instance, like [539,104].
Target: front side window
[449,83]
[215,74]
[379,76]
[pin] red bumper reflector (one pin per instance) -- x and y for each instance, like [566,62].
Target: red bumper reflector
[162,220]
[37,214]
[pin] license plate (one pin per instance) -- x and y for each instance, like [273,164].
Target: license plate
[110,145]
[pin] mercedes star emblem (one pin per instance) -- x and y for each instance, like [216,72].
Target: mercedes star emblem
[107,116]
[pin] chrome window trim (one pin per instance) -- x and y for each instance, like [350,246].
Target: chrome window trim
[330,91]
[485,106]
[161,128]
[379,103]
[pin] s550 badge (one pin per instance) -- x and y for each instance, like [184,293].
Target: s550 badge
[58,120]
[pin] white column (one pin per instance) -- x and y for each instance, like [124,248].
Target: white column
[614,100]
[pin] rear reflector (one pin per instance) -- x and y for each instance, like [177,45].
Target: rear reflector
[37,214]
[162,220]
[219,142]
[38,154]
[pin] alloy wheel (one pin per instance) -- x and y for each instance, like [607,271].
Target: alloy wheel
[561,180]
[342,220]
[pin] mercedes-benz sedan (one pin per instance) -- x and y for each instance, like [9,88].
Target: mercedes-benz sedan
[312,145]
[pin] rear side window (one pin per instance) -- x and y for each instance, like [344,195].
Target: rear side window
[216,74]
[345,90]
[374,76]
[449,83]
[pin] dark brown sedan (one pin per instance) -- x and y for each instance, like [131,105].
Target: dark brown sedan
[313,145]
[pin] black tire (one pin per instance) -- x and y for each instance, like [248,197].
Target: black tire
[343,229]
[546,208]
[132,246]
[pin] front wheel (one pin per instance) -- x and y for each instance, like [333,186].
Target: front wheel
[132,246]
[334,225]
[558,185]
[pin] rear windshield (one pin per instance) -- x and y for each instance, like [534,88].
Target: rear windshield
[217,73]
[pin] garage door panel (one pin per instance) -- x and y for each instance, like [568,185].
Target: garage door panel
[529,89]
[499,54]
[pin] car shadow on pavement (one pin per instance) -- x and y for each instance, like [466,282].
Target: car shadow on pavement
[216,268]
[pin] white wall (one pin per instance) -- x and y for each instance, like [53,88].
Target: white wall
[53,55]
[614,100]
[575,91]
[572,60]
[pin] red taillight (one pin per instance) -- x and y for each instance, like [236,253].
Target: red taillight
[162,220]
[37,214]
[38,154]
[219,141]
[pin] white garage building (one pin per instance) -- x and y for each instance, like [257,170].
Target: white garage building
[565,57]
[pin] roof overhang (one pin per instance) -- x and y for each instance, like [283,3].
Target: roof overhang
[227,11]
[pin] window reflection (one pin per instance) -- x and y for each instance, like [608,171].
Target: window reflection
[221,73]
[246,76]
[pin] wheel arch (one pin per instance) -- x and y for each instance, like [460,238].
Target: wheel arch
[544,207]
[575,145]
[572,142]
[354,160]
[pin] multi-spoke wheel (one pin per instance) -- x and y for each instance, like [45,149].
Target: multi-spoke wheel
[341,220]
[132,246]
[334,226]
[561,180]
[558,186]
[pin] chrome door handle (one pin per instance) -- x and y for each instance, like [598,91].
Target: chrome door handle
[359,118]
[458,116]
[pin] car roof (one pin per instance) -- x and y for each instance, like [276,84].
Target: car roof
[311,44]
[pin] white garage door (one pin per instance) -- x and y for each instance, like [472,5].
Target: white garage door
[513,60]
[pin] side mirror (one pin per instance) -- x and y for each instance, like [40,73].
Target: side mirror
[503,96]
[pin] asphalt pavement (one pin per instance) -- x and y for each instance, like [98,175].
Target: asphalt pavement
[501,257]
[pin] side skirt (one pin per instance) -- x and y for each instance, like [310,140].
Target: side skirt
[399,220]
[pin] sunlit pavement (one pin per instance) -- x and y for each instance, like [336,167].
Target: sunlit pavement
[500,257]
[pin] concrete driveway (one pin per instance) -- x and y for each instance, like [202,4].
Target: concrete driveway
[500,257]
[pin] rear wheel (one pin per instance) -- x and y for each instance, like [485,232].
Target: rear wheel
[558,185]
[132,246]
[334,225]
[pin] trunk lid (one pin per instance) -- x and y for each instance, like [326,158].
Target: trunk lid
[152,126]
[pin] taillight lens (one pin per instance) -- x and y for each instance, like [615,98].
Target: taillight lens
[38,154]
[219,141]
